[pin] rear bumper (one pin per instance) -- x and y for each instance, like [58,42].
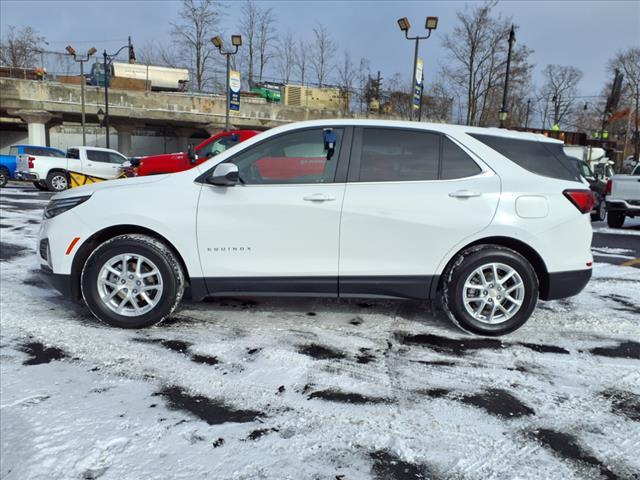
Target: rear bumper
[565,284]
[61,282]
[33,177]
[624,206]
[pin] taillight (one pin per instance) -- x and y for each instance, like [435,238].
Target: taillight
[582,199]
[607,189]
[31,160]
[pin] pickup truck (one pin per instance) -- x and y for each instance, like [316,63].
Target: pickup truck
[8,162]
[597,185]
[623,197]
[97,162]
[177,162]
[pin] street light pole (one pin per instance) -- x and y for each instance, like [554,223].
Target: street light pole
[108,59]
[81,60]
[236,41]
[404,24]
[503,110]
[636,151]
[526,120]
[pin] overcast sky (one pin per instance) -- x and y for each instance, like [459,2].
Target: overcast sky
[584,34]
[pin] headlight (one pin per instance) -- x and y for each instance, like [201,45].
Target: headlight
[56,207]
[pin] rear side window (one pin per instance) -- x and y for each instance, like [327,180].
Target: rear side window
[50,152]
[98,156]
[73,153]
[390,155]
[543,158]
[456,163]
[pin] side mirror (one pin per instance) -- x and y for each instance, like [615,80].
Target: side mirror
[224,175]
[193,156]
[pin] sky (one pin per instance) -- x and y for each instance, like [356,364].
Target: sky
[584,34]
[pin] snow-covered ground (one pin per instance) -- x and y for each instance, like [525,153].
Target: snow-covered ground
[313,389]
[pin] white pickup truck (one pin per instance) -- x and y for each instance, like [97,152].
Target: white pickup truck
[51,172]
[623,197]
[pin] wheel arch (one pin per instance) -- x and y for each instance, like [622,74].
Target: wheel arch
[107,233]
[528,252]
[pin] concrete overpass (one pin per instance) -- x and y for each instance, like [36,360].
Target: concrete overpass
[43,104]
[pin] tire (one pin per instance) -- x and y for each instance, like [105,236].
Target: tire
[464,270]
[4,177]
[615,219]
[41,185]
[164,288]
[601,212]
[57,181]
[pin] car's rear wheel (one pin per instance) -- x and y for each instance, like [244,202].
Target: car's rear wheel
[41,185]
[615,219]
[57,181]
[490,290]
[132,281]
[4,177]
[601,212]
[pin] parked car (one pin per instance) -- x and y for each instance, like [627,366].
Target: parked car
[8,162]
[484,221]
[623,197]
[98,162]
[597,185]
[178,162]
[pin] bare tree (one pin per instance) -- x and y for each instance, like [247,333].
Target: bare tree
[561,87]
[249,19]
[323,51]
[198,23]
[152,53]
[477,50]
[287,57]
[301,60]
[363,82]
[346,76]
[266,39]
[20,47]
[628,62]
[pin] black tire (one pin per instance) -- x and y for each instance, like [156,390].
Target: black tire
[165,261]
[41,185]
[615,219]
[57,181]
[601,212]
[4,177]
[463,266]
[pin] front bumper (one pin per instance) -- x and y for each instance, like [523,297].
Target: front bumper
[61,282]
[29,176]
[565,284]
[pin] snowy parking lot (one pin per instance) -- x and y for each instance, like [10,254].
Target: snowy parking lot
[316,389]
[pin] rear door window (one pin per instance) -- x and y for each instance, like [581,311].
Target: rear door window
[73,153]
[116,158]
[543,158]
[456,163]
[394,155]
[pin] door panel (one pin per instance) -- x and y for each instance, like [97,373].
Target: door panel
[406,228]
[258,232]
[98,164]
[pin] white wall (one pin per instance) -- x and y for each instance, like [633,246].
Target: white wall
[143,141]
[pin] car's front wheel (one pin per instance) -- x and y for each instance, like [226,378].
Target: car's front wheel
[489,290]
[601,212]
[132,281]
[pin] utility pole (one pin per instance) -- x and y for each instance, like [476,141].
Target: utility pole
[503,110]
[108,59]
[636,151]
[81,60]
[526,120]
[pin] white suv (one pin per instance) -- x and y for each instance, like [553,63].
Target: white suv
[484,220]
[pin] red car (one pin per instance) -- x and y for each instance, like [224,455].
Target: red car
[177,162]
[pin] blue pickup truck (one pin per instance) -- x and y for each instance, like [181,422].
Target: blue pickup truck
[8,162]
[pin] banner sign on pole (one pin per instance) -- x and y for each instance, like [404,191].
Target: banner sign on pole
[417,85]
[234,90]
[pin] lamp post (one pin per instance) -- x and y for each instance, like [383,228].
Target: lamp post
[430,24]
[503,110]
[236,41]
[108,60]
[526,120]
[81,60]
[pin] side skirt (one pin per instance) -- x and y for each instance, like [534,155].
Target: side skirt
[417,287]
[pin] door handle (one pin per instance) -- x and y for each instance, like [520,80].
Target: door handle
[318,197]
[464,194]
